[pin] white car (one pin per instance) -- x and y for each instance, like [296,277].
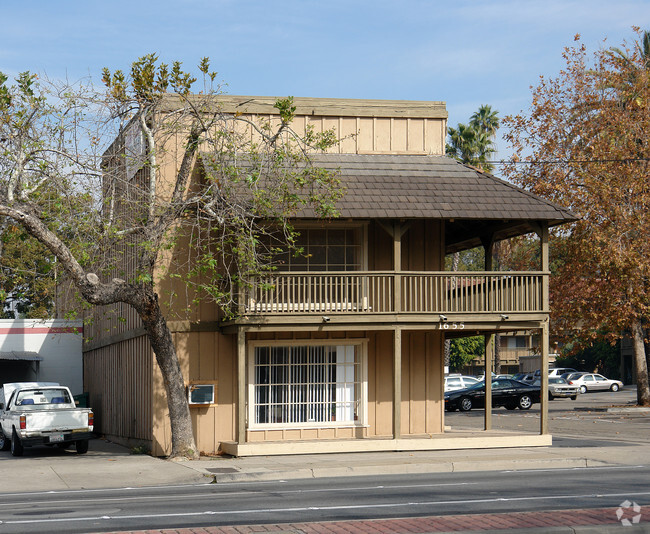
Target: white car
[556,371]
[595,382]
[454,382]
[559,387]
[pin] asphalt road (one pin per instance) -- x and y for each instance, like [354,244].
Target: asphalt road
[177,506]
[569,419]
[312,500]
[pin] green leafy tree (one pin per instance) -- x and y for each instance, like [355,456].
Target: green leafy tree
[601,357]
[463,350]
[109,215]
[27,275]
[586,140]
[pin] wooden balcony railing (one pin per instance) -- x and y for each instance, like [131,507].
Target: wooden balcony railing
[394,292]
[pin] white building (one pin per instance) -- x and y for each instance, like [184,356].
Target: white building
[37,350]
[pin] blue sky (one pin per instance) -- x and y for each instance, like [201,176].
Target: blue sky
[463,52]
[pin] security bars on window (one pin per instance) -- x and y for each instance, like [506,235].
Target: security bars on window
[307,384]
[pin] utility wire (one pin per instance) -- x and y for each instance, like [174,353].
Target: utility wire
[547,162]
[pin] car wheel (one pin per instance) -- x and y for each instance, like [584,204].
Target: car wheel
[583,389]
[465,404]
[16,445]
[525,402]
[81,446]
[5,444]
[550,397]
[574,397]
[614,387]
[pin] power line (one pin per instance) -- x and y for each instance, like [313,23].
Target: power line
[557,161]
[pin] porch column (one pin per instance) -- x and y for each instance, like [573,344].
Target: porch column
[397,383]
[489,351]
[543,400]
[488,246]
[241,386]
[397,263]
[544,332]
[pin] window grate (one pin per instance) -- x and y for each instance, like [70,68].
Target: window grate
[307,384]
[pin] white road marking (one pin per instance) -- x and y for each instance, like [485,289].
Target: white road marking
[324,508]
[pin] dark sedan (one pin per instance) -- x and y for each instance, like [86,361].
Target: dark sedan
[505,392]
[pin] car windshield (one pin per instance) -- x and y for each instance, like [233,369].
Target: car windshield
[42,396]
[556,380]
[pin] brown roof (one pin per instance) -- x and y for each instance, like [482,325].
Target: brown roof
[432,187]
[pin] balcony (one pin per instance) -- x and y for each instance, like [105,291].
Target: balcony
[404,293]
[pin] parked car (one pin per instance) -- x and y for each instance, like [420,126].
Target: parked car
[505,392]
[42,413]
[573,375]
[595,382]
[454,382]
[556,371]
[559,387]
[528,378]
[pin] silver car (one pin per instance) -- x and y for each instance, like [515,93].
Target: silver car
[559,387]
[595,382]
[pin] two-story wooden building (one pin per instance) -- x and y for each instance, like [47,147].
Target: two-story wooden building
[342,348]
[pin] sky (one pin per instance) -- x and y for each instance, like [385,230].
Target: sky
[465,52]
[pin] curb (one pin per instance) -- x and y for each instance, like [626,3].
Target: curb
[612,409]
[219,475]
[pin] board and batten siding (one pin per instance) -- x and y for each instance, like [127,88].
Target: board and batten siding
[118,378]
[422,371]
[206,357]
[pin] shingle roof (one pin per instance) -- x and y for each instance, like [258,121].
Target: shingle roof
[438,187]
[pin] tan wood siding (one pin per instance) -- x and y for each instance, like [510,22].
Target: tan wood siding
[205,357]
[421,388]
[118,379]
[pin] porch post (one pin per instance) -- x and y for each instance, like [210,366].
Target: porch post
[397,263]
[488,246]
[241,386]
[543,394]
[397,384]
[544,332]
[489,349]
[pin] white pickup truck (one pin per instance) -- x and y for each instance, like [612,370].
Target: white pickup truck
[42,413]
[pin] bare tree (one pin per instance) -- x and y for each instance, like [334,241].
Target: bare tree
[110,180]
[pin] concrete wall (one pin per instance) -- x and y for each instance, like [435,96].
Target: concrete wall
[57,342]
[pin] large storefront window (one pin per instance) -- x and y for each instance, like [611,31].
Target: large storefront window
[307,385]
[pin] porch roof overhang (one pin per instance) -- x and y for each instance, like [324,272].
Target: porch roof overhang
[23,356]
[475,205]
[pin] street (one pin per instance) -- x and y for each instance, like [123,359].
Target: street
[311,500]
[574,424]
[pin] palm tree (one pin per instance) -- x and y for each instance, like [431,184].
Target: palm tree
[473,143]
[485,120]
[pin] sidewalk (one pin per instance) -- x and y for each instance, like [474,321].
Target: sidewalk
[108,465]
[595,521]
[226,469]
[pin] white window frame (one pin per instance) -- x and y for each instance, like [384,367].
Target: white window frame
[361,345]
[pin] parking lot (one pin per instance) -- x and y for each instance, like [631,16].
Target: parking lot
[582,418]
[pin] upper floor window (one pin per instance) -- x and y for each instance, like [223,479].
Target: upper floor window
[325,249]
